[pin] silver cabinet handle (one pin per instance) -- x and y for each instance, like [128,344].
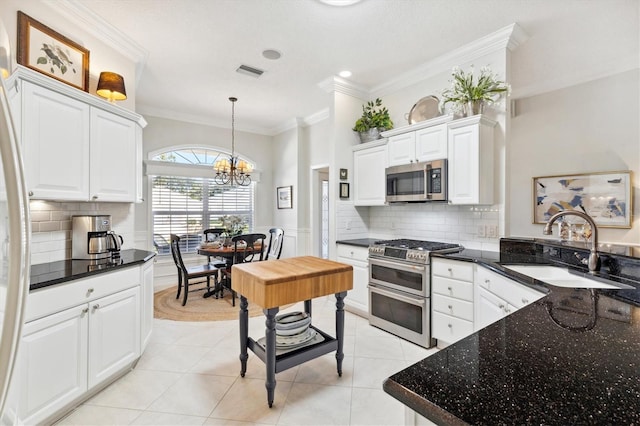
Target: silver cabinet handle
[30,193]
[95,197]
[449,288]
[96,306]
[84,311]
[487,281]
[89,291]
[449,269]
[525,300]
[450,325]
[450,307]
[501,306]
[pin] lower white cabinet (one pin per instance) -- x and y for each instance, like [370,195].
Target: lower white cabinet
[498,296]
[80,335]
[369,179]
[146,304]
[357,300]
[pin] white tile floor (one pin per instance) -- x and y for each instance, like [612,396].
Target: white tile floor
[189,375]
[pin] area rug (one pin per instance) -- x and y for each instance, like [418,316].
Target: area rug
[166,306]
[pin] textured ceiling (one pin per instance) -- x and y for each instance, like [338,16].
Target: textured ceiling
[195,47]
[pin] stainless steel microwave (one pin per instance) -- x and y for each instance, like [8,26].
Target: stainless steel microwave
[417,182]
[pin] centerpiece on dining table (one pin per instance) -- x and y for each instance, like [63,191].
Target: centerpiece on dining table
[234,225]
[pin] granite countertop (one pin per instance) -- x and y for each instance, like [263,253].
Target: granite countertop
[360,242]
[47,274]
[572,357]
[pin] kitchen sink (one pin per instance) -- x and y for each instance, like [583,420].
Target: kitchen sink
[563,277]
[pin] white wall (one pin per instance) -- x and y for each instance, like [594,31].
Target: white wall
[591,127]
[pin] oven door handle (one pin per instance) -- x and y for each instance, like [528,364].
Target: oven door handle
[427,180]
[397,265]
[398,296]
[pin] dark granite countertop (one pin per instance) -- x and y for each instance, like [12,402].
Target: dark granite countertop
[47,274]
[572,357]
[360,242]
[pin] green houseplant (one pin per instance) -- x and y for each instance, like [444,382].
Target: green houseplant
[375,119]
[469,92]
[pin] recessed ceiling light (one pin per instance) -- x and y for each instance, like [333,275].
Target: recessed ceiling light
[271,54]
[345,74]
[339,2]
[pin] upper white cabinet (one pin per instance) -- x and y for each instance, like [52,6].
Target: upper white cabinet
[76,146]
[424,141]
[471,160]
[369,181]
[55,135]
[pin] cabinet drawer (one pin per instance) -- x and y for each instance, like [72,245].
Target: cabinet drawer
[48,300]
[353,252]
[450,329]
[452,288]
[454,307]
[452,269]
[515,293]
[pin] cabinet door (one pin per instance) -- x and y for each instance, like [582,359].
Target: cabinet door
[358,297]
[489,308]
[369,180]
[55,135]
[114,334]
[146,304]
[402,149]
[52,363]
[464,163]
[448,328]
[431,143]
[139,167]
[113,157]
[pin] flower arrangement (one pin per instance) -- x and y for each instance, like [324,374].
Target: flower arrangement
[374,115]
[468,88]
[233,224]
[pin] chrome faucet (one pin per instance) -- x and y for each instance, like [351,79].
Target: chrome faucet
[593,263]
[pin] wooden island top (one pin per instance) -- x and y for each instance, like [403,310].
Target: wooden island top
[274,283]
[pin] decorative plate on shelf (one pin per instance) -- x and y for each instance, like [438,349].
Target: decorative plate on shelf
[426,108]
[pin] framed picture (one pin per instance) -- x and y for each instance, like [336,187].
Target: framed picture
[343,174]
[285,197]
[49,52]
[605,196]
[344,190]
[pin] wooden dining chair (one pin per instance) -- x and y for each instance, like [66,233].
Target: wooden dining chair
[251,251]
[212,234]
[275,244]
[191,273]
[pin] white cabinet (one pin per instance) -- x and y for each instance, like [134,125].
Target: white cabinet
[76,147]
[357,300]
[499,296]
[452,299]
[369,181]
[425,144]
[471,160]
[79,335]
[113,157]
[146,304]
[55,135]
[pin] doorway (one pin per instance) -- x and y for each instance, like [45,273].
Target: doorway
[320,222]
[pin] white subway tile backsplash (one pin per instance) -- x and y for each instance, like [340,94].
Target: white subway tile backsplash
[51,226]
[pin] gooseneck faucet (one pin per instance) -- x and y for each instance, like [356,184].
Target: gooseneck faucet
[593,263]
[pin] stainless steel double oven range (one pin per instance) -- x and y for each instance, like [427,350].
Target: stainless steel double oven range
[400,287]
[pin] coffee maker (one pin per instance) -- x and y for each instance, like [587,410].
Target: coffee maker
[93,238]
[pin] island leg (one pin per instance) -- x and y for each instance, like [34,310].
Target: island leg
[244,334]
[270,349]
[340,329]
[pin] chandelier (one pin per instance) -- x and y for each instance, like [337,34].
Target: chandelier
[232,171]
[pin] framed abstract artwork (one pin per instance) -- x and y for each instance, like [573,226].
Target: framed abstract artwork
[605,196]
[49,52]
[284,196]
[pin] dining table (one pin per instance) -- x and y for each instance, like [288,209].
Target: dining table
[226,254]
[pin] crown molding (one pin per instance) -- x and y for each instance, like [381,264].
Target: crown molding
[84,18]
[339,84]
[196,119]
[509,37]
[317,117]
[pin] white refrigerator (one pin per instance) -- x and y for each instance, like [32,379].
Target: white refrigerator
[15,233]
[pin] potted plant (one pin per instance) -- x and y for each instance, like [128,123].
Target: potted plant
[469,93]
[375,119]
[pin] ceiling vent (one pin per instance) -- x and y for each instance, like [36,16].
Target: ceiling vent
[250,71]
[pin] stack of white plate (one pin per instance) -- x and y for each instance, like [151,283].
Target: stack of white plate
[292,329]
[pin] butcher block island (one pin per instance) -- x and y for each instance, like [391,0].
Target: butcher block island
[271,284]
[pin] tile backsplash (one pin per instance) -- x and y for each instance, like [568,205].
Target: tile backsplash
[475,227]
[51,226]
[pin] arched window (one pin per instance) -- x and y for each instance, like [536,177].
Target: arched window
[186,200]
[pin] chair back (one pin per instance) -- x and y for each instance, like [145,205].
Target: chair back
[244,252]
[212,234]
[275,243]
[175,252]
